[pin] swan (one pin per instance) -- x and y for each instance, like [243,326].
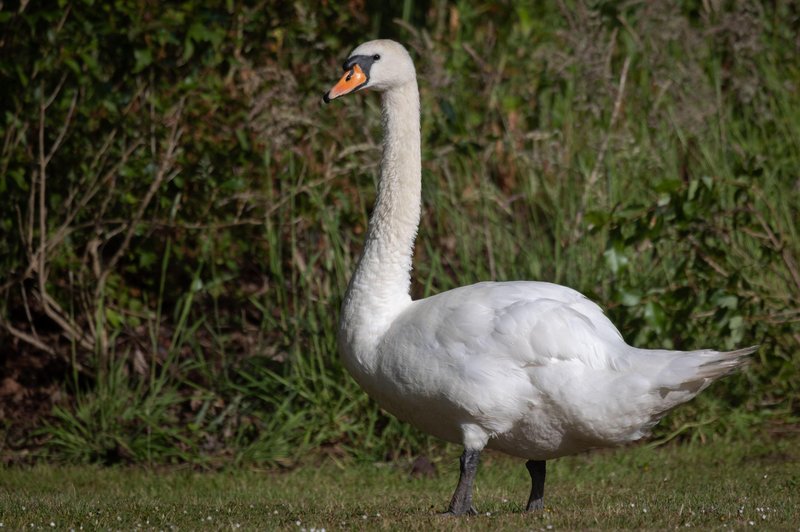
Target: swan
[532,369]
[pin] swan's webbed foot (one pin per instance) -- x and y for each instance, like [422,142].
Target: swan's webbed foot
[537,469]
[461,503]
[535,505]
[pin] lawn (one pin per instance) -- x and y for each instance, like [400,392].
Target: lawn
[719,485]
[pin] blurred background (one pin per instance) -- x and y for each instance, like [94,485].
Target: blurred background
[180,214]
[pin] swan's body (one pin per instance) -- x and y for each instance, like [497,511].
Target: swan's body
[532,369]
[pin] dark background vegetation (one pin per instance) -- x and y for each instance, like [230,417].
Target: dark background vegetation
[180,214]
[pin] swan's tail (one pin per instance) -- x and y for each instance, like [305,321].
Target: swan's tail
[687,373]
[717,364]
[701,368]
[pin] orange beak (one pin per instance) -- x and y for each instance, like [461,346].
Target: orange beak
[352,79]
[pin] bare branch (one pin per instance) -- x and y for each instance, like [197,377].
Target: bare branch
[39,344]
[56,238]
[168,159]
[63,132]
[28,309]
[57,314]
[93,188]
[595,174]
[51,308]
[598,163]
[63,18]
[54,95]
[31,216]
[706,258]
[42,195]
[27,338]
[778,246]
[163,173]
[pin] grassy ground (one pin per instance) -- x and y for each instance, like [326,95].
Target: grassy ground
[721,485]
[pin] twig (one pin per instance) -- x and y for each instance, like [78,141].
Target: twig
[786,255]
[11,140]
[161,174]
[63,18]
[93,188]
[490,252]
[37,218]
[28,310]
[38,344]
[31,217]
[187,226]
[55,238]
[51,308]
[708,260]
[54,94]
[27,338]
[486,67]
[612,45]
[595,173]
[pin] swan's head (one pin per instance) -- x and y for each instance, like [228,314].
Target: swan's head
[378,65]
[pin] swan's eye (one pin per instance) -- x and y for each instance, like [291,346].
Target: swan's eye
[376,57]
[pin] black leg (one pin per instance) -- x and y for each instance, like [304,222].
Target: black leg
[462,498]
[537,470]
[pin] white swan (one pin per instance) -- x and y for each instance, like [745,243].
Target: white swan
[532,369]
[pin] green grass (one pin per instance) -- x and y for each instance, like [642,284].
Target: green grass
[720,485]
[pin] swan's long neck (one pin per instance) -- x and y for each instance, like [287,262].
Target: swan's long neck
[379,288]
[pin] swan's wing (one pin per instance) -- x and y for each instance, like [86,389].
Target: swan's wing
[532,323]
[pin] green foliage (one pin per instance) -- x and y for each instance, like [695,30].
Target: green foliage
[117,421]
[180,215]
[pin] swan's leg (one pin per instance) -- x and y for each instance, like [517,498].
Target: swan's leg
[462,498]
[537,470]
